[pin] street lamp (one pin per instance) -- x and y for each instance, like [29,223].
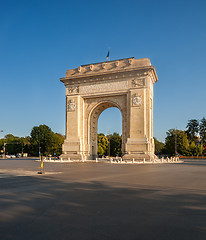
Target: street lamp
[39,145]
[109,143]
[3,147]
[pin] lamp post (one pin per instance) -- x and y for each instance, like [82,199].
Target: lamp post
[176,142]
[39,145]
[3,146]
[109,143]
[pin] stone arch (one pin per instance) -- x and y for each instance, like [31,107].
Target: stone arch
[93,124]
[126,84]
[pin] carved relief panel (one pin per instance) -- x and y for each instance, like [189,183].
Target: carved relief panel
[72,89]
[136,100]
[138,83]
[71,105]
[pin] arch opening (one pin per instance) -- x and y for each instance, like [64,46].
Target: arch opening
[108,117]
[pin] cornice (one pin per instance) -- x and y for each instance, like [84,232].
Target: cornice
[110,70]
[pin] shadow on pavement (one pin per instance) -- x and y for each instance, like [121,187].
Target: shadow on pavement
[44,208]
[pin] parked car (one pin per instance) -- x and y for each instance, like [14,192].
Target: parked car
[12,156]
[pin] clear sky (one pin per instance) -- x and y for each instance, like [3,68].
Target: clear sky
[40,40]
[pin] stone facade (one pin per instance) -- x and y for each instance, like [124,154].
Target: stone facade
[90,89]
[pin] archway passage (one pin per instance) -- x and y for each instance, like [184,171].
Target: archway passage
[126,84]
[95,115]
[110,121]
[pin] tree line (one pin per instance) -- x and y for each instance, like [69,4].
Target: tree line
[191,142]
[42,140]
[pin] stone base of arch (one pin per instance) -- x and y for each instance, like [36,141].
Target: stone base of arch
[139,156]
[136,150]
[139,150]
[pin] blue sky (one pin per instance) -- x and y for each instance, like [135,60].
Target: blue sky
[40,40]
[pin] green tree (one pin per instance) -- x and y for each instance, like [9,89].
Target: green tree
[102,144]
[25,144]
[13,144]
[56,144]
[200,149]
[178,138]
[192,129]
[203,131]
[159,146]
[192,149]
[41,139]
[115,144]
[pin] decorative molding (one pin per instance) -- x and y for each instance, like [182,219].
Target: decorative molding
[91,67]
[111,66]
[116,63]
[104,65]
[130,61]
[79,69]
[138,82]
[105,77]
[71,105]
[73,89]
[136,100]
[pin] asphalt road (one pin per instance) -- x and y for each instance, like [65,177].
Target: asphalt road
[102,201]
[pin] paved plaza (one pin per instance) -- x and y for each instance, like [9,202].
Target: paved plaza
[102,201]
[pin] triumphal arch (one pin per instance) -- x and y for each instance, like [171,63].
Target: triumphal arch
[126,84]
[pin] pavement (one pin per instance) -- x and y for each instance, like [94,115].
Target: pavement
[102,201]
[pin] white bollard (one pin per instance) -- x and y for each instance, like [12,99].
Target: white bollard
[133,160]
[144,160]
[49,158]
[61,159]
[96,159]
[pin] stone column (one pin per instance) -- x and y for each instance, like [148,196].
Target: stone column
[72,144]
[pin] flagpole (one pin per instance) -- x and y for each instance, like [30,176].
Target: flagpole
[108,56]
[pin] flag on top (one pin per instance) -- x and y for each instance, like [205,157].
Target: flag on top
[107,55]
